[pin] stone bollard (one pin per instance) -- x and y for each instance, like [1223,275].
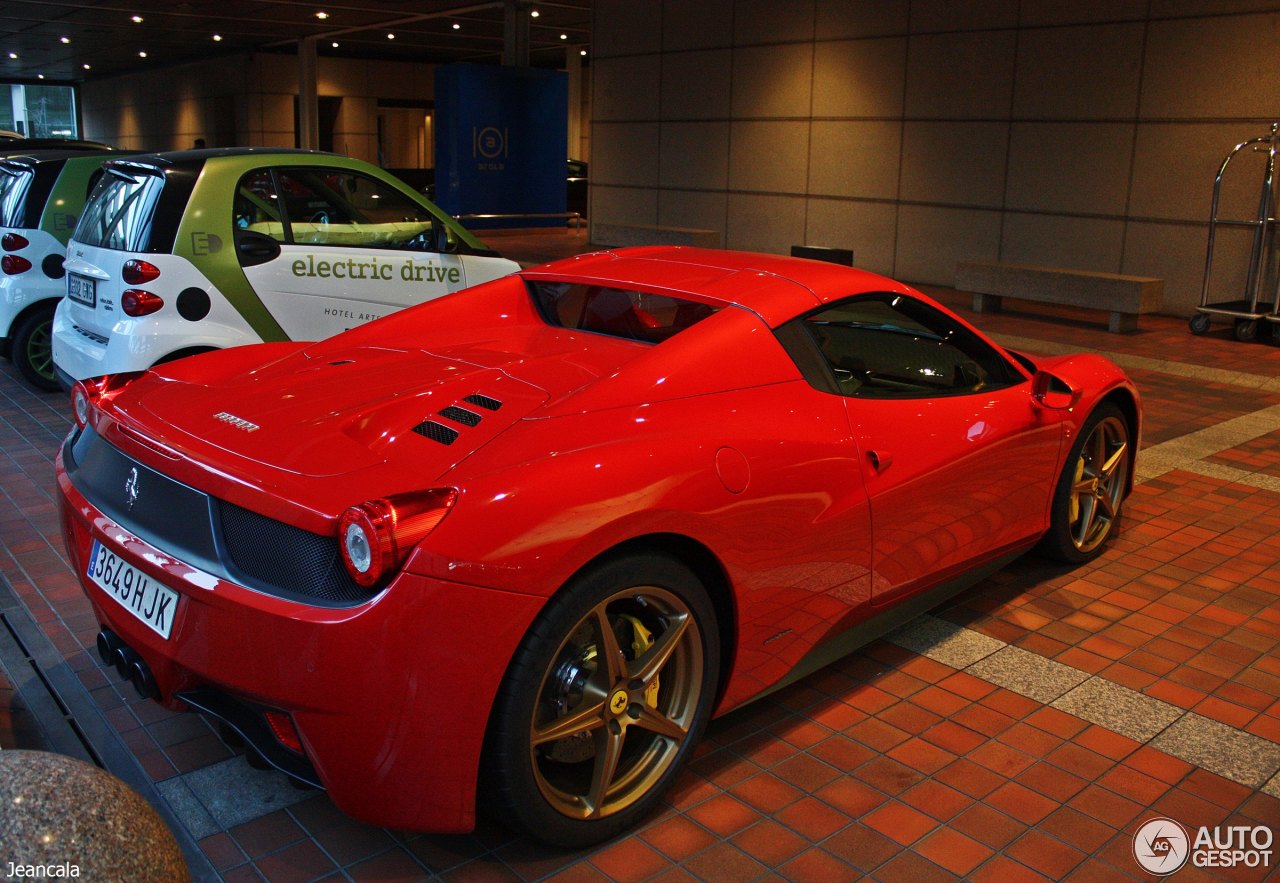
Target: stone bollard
[62,818]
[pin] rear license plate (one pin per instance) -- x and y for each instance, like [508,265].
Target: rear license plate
[82,289]
[136,592]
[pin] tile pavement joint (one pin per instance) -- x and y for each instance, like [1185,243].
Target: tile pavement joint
[1234,754]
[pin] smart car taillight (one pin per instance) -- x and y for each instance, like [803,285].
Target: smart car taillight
[13,242]
[136,302]
[377,536]
[136,272]
[87,394]
[13,264]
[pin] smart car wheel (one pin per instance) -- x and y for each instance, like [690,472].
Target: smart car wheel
[603,701]
[32,349]
[1086,505]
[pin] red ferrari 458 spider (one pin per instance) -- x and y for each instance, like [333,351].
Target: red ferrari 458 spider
[523,541]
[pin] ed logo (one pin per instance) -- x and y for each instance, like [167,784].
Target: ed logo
[205,243]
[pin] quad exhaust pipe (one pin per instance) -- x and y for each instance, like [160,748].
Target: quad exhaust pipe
[127,663]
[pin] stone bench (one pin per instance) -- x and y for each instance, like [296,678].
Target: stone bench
[620,235]
[1124,297]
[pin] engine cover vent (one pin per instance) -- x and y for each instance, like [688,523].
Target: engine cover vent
[460,415]
[486,402]
[437,432]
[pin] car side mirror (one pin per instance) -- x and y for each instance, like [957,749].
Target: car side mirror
[1054,393]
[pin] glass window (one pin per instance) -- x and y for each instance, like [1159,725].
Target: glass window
[256,207]
[15,181]
[634,315]
[118,214]
[892,346]
[335,207]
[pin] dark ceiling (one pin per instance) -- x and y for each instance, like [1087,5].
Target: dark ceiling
[75,40]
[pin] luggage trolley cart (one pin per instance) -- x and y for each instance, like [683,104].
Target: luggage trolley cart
[1248,311]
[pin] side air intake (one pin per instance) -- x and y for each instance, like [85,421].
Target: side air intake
[437,432]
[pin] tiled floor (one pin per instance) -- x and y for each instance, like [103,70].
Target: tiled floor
[1023,731]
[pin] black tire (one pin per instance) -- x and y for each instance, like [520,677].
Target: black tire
[32,347]
[1200,323]
[556,784]
[1246,330]
[1091,489]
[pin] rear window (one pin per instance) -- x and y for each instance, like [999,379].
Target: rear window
[15,181]
[120,210]
[633,315]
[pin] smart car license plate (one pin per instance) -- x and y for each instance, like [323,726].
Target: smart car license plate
[82,289]
[138,593]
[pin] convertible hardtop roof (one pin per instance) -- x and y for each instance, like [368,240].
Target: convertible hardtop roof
[775,287]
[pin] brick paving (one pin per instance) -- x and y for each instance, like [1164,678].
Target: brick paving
[889,764]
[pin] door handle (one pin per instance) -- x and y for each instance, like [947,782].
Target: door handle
[880,460]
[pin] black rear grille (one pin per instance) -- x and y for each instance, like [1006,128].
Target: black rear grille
[286,558]
[489,404]
[437,432]
[212,535]
[461,415]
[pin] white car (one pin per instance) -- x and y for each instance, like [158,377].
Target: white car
[184,252]
[41,196]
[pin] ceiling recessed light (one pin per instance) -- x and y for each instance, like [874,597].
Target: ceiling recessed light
[39,76]
[564,36]
[533,13]
[142,54]
[86,66]
[13,55]
[217,38]
[64,40]
[136,19]
[322,15]
[456,26]
[391,36]
[335,44]
[583,52]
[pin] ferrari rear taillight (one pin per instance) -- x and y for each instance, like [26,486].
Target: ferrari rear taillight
[87,394]
[377,536]
[81,403]
[13,242]
[13,264]
[137,302]
[136,272]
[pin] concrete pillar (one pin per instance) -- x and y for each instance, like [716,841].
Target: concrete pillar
[308,105]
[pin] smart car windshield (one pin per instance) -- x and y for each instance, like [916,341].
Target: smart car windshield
[633,315]
[15,180]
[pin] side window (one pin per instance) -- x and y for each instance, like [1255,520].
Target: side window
[256,206]
[338,207]
[892,346]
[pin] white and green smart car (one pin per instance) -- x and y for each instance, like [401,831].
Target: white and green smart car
[41,196]
[183,252]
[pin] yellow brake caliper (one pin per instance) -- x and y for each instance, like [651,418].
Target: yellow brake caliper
[641,641]
[1075,497]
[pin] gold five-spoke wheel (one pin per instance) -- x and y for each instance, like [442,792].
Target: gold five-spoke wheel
[602,702]
[617,703]
[1101,476]
[1091,488]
